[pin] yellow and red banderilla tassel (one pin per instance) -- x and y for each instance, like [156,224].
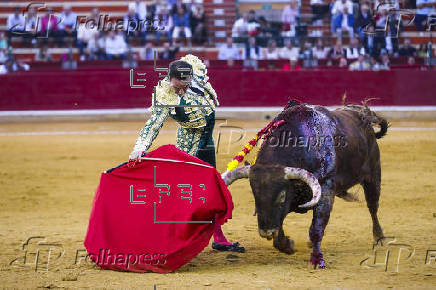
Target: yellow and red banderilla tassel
[232,165]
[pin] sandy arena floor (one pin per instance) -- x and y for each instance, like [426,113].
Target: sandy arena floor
[49,171]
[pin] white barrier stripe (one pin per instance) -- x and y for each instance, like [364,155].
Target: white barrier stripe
[219,109]
[55,133]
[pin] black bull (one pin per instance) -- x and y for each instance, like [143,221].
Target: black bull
[313,156]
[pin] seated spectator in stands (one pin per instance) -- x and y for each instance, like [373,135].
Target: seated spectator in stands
[266,32]
[11,65]
[364,17]
[354,50]
[359,64]
[116,46]
[43,54]
[147,53]
[134,27]
[271,52]
[319,51]
[342,17]
[240,28]
[67,25]
[319,10]
[85,32]
[337,51]
[198,25]
[292,65]
[342,62]
[229,51]
[368,40]
[15,24]
[374,65]
[385,62]
[252,25]
[423,50]
[407,49]
[289,51]
[424,9]
[141,9]
[181,24]
[96,47]
[290,18]
[3,41]
[49,27]
[252,53]
[307,56]
[169,52]
[411,61]
[30,27]
[165,25]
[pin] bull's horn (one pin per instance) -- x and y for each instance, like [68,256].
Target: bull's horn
[307,177]
[230,176]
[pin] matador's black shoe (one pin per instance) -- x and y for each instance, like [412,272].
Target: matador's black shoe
[230,248]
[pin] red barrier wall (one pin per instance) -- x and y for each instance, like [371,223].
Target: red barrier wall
[94,89]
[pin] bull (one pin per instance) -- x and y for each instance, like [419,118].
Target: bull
[315,155]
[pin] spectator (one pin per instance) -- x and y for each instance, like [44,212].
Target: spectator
[368,41]
[198,25]
[290,19]
[116,46]
[342,18]
[407,49]
[319,51]
[141,9]
[319,11]
[354,50]
[266,32]
[3,41]
[96,47]
[30,26]
[252,53]
[240,27]
[363,19]
[134,27]
[67,25]
[292,65]
[424,9]
[181,23]
[271,52]
[50,28]
[15,24]
[422,50]
[411,61]
[337,51]
[228,51]
[360,64]
[13,66]
[147,52]
[385,62]
[252,25]
[289,51]
[374,65]
[307,56]
[165,25]
[169,52]
[342,62]
[85,33]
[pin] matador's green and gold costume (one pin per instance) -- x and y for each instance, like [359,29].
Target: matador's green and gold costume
[194,135]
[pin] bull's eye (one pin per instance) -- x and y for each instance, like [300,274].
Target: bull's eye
[281,197]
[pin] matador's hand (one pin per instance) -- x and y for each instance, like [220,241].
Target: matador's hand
[136,154]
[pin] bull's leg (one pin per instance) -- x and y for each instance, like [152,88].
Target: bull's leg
[283,243]
[372,195]
[321,215]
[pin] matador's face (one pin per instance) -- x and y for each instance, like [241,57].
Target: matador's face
[180,86]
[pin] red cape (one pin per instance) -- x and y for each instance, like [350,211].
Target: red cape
[135,230]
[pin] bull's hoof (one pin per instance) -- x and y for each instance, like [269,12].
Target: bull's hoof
[285,245]
[317,261]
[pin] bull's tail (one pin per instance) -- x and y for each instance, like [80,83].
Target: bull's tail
[383,123]
[370,118]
